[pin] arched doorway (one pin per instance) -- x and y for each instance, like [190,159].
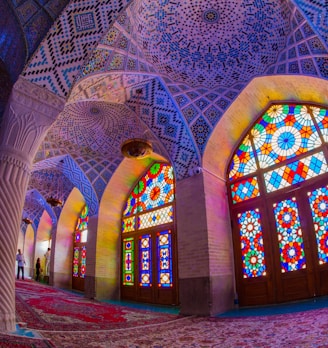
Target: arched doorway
[149,271]
[279,203]
[80,250]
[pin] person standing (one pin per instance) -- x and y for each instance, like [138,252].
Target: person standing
[20,264]
[37,269]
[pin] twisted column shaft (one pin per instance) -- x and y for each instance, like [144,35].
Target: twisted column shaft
[30,112]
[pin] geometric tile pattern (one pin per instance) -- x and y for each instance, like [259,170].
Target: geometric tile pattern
[159,113]
[154,218]
[70,40]
[306,52]
[206,44]
[317,14]
[296,172]
[244,190]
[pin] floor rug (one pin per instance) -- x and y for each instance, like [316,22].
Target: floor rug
[300,330]
[12,341]
[41,307]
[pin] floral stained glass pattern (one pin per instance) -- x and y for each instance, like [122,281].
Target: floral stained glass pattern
[243,161]
[82,222]
[156,217]
[164,259]
[128,261]
[76,256]
[128,224]
[244,190]
[318,200]
[284,132]
[251,240]
[290,236]
[83,261]
[145,260]
[296,172]
[321,116]
[155,189]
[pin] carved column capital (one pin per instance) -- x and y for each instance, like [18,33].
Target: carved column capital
[30,112]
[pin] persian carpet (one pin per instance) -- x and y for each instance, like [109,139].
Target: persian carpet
[12,341]
[41,307]
[299,330]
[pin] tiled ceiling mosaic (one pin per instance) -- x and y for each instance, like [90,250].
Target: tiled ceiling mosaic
[191,59]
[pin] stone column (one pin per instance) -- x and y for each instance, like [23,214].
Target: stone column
[206,279]
[30,112]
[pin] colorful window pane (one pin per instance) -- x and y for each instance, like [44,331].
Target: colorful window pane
[321,117]
[243,161]
[145,261]
[156,217]
[82,222]
[283,132]
[83,261]
[76,256]
[244,190]
[128,261]
[296,172]
[290,237]
[155,189]
[318,200]
[128,224]
[164,259]
[252,249]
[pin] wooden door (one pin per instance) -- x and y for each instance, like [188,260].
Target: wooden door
[291,230]
[79,266]
[149,268]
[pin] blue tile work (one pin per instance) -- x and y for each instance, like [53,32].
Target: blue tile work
[161,116]
[201,130]
[80,181]
[207,45]
[35,19]
[316,12]
[70,40]
[303,54]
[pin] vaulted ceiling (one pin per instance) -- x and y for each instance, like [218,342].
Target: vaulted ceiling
[191,59]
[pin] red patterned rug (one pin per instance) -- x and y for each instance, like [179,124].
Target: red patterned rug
[12,341]
[42,307]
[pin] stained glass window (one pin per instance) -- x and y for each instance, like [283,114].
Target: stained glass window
[145,260]
[296,172]
[243,161]
[318,200]
[149,207]
[153,190]
[290,237]
[245,189]
[251,240]
[282,133]
[80,237]
[76,257]
[164,258]
[128,261]
[83,261]
[155,217]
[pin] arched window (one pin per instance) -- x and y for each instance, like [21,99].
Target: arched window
[148,239]
[80,250]
[277,181]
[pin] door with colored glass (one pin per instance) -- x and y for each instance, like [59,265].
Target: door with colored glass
[149,273]
[301,224]
[79,263]
[281,247]
[80,237]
